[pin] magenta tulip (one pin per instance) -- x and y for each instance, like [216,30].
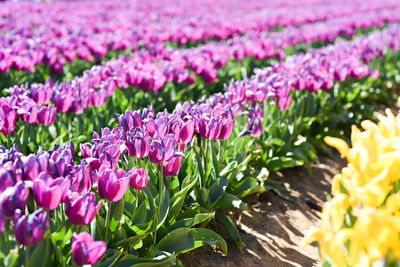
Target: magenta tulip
[14,198]
[85,250]
[29,230]
[82,209]
[186,131]
[172,167]
[47,115]
[161,150]
[139,178]
[112,185]
[137,143]
[50,193]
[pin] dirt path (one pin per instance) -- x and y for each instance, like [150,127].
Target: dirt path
[272,230]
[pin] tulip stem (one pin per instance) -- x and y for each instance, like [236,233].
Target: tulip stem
[44,136]
[26,255]
[160,189]
[26,133]
[108,217]
[6,237]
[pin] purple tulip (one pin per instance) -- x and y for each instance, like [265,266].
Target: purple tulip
[29,230]
[81,178]
[14,198]
[255,127]
[8,116]
[137,143]
[63,102]
[210,128]
[130,120]
[40,93]
[85,250]
[173,166]
[86,150]
[28,112]
[186,131]
[82,209]
[47,115]
[112,185]
[8,177]
[161,150]
[32,166]
[139,178]
[227,128]
[50,193]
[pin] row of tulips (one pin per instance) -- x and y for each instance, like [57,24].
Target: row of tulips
[54,37]
[35,105]
[360,222]
[52,199]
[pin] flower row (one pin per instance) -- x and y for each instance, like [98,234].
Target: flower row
[35,105]
[53,37]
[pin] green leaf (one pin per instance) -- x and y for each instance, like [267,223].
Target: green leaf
[229,168]
[279,163]
[117,210]
[191,212]
[218,188]
[110,260]
[62,236]
[247,187]
[178,199]
[140,214]
[231,229]
[214,158]
[164,207]
[160,261]
[12,259]
[202,196]
[190,222]
[185,239]
[41,254]
[229,201]
[133,240]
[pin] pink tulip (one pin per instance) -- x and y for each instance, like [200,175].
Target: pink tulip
[82,209]
[85,250]
[50,193]
[29,230]
[112,185]
[139,178]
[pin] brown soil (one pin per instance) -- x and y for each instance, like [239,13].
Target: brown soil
[273,228]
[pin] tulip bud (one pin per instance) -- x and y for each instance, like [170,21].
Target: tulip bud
[186,132]
[8,177]
[162,150]
[29,230]
[173,166]
[85,250]
[137,143]
[48,192]
[14,198]
[112,185]
[82,209]
[47,115]
[63,102]
[139,178]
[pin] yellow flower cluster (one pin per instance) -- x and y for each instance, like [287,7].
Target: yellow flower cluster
[361,223]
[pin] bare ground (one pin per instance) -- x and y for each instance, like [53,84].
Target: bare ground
[273,228]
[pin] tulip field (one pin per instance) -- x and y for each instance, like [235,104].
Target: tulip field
[129,130]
